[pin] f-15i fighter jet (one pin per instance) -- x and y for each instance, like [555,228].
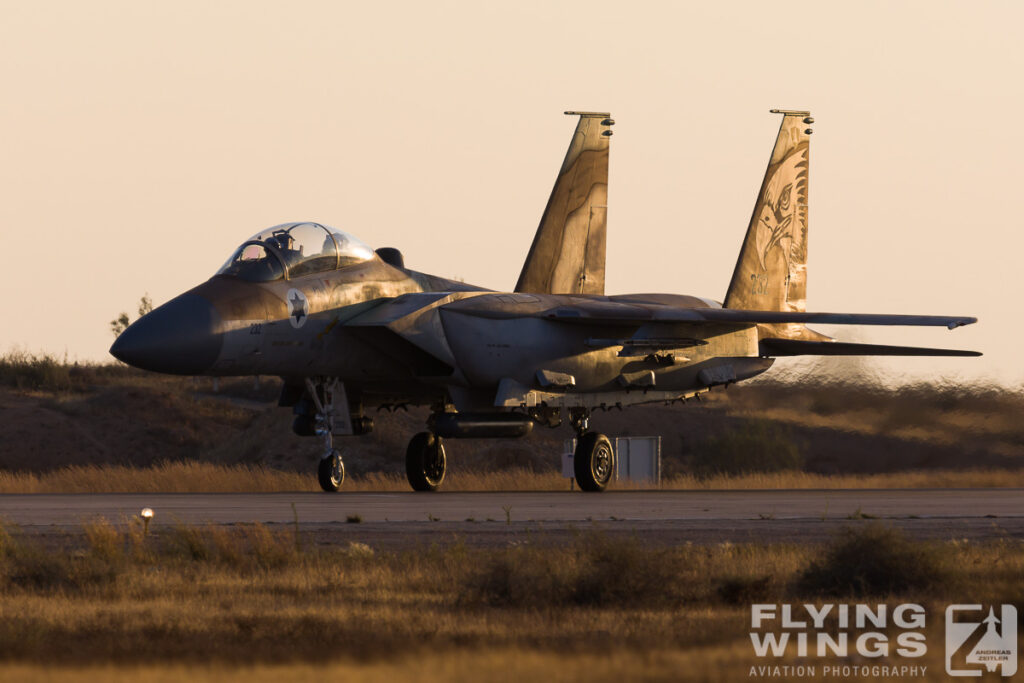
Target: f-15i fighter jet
[350,329]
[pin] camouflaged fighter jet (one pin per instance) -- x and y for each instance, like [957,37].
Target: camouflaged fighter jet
[350,329]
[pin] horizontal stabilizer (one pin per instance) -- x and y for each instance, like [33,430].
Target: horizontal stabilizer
[734,315]
[795,347]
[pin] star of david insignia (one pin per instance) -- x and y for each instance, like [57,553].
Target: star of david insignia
[298,307]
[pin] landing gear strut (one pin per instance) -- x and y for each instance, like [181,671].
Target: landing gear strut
[425,462]
[594,458]
[331,470]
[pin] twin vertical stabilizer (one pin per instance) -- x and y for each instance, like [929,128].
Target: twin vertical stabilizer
[771,272]
[568,251]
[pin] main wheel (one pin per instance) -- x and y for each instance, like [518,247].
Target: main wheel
[331,472]
[425,462]
[593,461]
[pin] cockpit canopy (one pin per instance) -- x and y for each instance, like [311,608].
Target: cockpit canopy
[292,250]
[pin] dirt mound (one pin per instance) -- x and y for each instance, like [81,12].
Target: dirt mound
[117,424]
[137,418]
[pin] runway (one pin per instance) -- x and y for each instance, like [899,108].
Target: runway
[489,517]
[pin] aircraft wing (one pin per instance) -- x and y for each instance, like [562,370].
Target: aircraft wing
[409,327]
[799,347]
[623,313]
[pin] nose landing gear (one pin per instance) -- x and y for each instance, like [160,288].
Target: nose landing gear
[330,472]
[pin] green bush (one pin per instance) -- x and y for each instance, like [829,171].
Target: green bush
[874,560]
[753,446]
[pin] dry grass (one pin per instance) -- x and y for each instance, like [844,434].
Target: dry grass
[978,478]
[500,665]
[166,477]
[215,602]
[200,477]
[714,664]
[25,370]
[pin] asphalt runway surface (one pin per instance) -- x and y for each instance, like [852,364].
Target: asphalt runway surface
[495,518]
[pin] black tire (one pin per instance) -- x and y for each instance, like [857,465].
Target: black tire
[331,472]
[425,462]
[593,462]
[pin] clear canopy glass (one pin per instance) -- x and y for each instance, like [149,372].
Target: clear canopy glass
[296,248]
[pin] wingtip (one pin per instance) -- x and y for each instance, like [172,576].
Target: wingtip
[960,322]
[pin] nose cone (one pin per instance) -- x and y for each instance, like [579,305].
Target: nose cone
[182,337]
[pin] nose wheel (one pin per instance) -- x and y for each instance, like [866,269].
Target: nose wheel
[425,462]
[331,472]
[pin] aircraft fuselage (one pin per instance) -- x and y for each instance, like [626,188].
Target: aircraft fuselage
[458,344]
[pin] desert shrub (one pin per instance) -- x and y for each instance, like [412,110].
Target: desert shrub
[744,590]
[246,549]
[874,560]
[24,370]
[46,372]
[31,567]
[595,571]
[521,577]
[624,572]
[189,542]
[753,446]
[28,565]
[268,549]
[105,542]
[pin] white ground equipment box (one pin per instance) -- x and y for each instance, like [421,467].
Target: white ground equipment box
[637,458]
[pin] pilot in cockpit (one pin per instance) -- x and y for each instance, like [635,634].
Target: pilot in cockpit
[329,249]
[260,259]
[282,241]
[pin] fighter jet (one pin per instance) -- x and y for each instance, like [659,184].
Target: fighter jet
[351,330]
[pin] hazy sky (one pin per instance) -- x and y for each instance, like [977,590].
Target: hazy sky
[142,141]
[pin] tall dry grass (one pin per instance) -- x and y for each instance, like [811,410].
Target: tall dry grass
[249,596]
[201,477]
[166,477]
[26,370]
[493,665]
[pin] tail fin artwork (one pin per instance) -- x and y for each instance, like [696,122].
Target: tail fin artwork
[769,283]
[771,272]
[568,251]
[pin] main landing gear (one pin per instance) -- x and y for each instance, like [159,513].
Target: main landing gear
[425,462]
[594,459]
